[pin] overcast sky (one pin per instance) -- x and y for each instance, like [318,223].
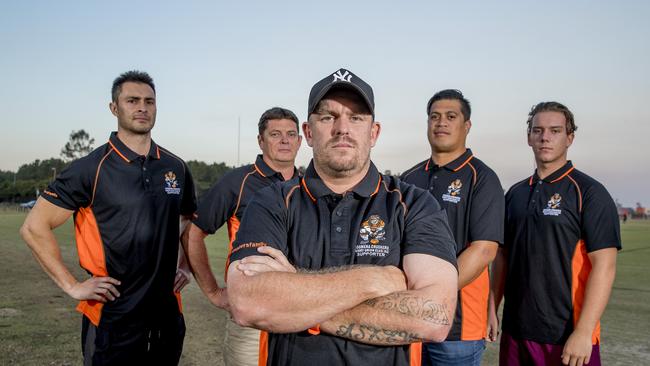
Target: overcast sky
[215,62]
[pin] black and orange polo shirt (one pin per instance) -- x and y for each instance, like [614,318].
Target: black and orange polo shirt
[378,222]
[229,197]
[126,218]
[551,226]
[472,196]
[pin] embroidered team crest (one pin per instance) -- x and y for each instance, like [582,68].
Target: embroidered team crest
[453,192]
[372,233]
[553,206]
[171,184]
[372,230]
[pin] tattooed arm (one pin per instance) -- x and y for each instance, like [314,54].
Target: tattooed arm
[268,294]
[422,313]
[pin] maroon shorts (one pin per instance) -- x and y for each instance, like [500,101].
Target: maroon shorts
[515,352]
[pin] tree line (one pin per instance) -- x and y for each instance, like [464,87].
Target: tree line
[31,178]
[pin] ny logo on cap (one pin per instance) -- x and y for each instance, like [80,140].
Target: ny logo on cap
[346,76]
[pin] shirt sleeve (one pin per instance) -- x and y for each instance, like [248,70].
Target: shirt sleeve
[216,206]
[600,226]
[188,202]
[427,229]
[264,223]
[486,215]
[72,189]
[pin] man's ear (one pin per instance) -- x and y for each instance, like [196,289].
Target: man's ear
[375,130]
[306,130]
[113,107]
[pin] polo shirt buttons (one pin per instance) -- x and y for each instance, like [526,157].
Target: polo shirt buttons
[338,229]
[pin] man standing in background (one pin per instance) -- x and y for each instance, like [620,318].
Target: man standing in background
[472,196]
[558,262]
[279,140]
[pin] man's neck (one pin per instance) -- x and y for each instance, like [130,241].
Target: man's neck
[139,143]
[342,184]
[285,168]
[546,169]
[444,158]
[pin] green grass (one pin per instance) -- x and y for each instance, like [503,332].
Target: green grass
[39,326]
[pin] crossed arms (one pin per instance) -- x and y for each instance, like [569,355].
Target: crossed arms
[369,304]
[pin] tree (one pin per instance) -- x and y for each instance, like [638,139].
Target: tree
[205,175]
[80,145]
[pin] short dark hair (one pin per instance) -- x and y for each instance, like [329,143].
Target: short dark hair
[553,107]
[453,94]
[133,76]
[276,113]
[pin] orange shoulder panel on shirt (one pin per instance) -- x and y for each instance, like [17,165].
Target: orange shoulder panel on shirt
[580,270]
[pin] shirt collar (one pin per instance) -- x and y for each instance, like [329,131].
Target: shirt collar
[553,177]
[266,171]
[455,165]
[127,154]
[316,188]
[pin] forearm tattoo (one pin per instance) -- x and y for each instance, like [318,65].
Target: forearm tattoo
[374,335]
[412,306]
[331,269]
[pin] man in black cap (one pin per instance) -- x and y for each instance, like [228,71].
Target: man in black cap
[343,265]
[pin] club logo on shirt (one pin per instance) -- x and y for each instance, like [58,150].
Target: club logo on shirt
[553,206]
[453,192]
[171,184]
[372,233]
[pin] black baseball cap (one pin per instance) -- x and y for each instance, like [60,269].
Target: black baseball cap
[344,79]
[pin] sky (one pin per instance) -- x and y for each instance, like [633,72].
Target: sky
[216,63]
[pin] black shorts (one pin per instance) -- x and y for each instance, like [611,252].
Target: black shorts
[159,344]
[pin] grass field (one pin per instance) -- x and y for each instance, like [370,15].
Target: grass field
[38,324]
